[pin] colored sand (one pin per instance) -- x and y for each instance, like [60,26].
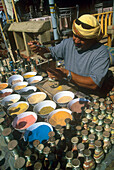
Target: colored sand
[20,108]
[59,118]
[28,76]
[36,98]
[8,103]
[3,86]
[40,133]
[27,92]
[5,94]
[19,87]
[34,81]
[78,106]
[64,99]
[46,110]
[16,81]
[25,122]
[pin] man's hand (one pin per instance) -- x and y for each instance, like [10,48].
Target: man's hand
[57,74]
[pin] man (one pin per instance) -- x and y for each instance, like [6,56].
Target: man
[86,60]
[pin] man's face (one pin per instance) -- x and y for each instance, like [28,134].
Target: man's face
[80,43]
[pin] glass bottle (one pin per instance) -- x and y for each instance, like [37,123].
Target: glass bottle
[99,154]
[91,138]
[38,166]
[91,104]
[99,130]
[109,114]
[112,133]
[2,124]
[94,120]
[107,123]
[27,155]
[85,123]
[74,141]
[92,127]
[96,108]
[7,134]
[51,140]
[108,104]
[106,141]
[69,156]
[46,152]
[95,99]
[78,131]
[100,120]
[81,148]
[84,136]
[101,102]
[88,114]
[89,161]
[76,164]
[20,163]
[13,147]
[103,110]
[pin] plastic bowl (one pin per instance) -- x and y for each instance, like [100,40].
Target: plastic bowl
[18,86]
[36,97]
[43,104]
[5,92]
[14,78]
[34,80]
[26,91]
[29,75]
[40,134]
[58,118]
[24,120]
[18,108]
[80,104]
[9,100]
[66,95]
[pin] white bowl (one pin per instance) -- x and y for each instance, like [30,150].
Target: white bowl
[57,110]
[43,104]
[25,91]
[9,100]
[24,83]
[24,126]
[61,94]
[13,78]
[28,131]
[31,73]
[7,90]
[81,104]
[39,99]
[35,78]
[1,85]
[16,105]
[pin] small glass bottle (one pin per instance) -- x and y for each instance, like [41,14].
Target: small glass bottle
[109,114]
[20,163]
[46,152]
[91,104]
[38,166]
[74,141]
[67,121]
[84,136]
[101,102]
[99,154]
[107,123]
[13,147]
[81,148]
[112,133]
[91,138]
[88,114]
[27,155]
[69,157]
[85,123]
[108,104]
[96,108]
[103,110]
[89,161]
[95,99]
[76,164]
[92,127]
[7,134]
[100,120]
[78,131]
[99,133]
[2,124]
[94,120]
[106,141]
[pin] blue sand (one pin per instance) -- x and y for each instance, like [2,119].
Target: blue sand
[40,133]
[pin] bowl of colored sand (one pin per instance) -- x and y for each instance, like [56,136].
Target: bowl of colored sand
[18,86]
[38,131]
[5,92]
[18,108]
[58,116]
[15,79]
[34,80]
[44,108]
[78,104]
[3,85]
[11,99]
[36,97]
[62,98]
[29,75]
[24,120]
[26,91]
